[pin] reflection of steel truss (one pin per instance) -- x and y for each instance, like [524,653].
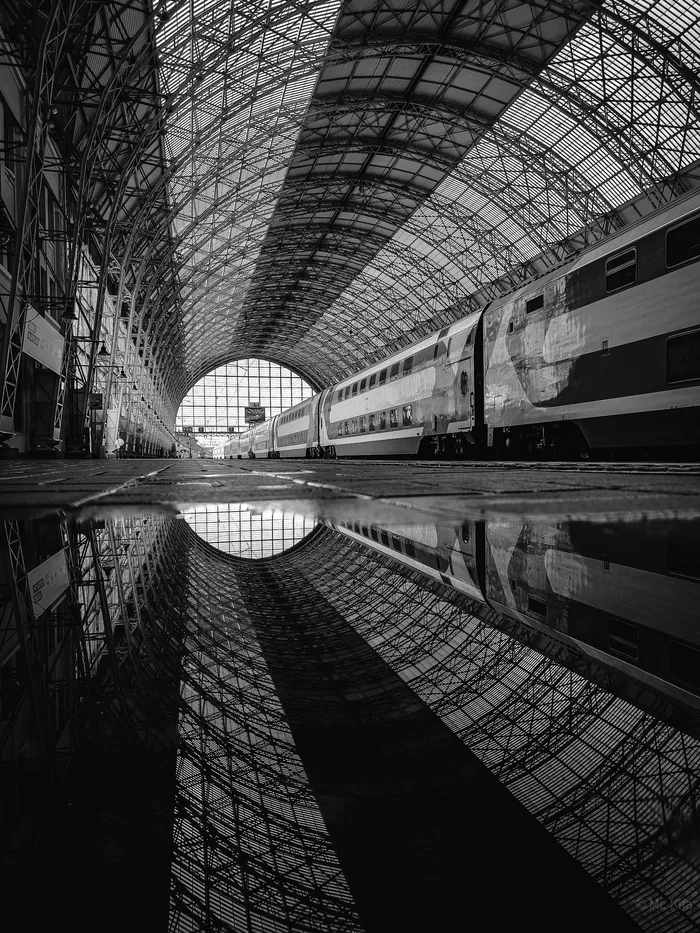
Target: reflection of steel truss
[615,785]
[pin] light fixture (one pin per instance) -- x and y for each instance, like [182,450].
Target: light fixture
[69,313]
[103,350]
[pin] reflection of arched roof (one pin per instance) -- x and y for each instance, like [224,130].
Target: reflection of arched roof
[344,177]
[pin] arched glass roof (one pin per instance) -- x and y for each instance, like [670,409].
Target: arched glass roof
[344,177]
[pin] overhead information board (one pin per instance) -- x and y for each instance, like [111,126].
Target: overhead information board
[43,341]
[254,414]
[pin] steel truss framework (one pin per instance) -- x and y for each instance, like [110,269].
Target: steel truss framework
[317,183]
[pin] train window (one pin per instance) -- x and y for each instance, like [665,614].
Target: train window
[683,556]
[537,606]
[623,638]
[683,357]
[684,664]
[363,385]
[372,380]
[362,424]
[354,426]
[340,429]
[382,420]
[394,373]
[407,414]
[340,396]
[347,428]
[534,304]
[409,548]
[683,243]
[382,377]
[385,538]
[407,365]
[370,423]
[464,383]
[436,350]
[354,388]
[373,533]
[621,270]
[347,391]
[393,418]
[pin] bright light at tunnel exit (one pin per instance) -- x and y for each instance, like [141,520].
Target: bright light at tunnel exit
[214,408]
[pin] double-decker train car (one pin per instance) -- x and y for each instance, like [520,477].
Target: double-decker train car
[419,396]
[605,352]
[625,595]
[600,354]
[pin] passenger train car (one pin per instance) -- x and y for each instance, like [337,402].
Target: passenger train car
[600,354]
[625,595]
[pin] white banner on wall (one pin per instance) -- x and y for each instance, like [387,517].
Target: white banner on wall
[43,341]
[47,582]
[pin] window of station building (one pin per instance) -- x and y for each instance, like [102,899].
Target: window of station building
[534,304]
[372,380]
[683,357]
[362,424]
[382,420]
[394,373]
[621,270]
[408,365]
[217,402]
[370,423]
[393,418]
[683,243]
[407,413]
[382,377]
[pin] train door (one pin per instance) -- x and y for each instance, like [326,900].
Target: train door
[468,387]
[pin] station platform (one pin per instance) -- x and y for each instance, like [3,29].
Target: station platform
[322,489]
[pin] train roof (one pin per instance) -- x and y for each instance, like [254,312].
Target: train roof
[682,207]
[465,323]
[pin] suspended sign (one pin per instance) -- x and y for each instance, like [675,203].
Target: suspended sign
[43,341]
[254,414]
[47,582]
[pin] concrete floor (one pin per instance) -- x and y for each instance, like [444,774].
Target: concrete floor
[382,490]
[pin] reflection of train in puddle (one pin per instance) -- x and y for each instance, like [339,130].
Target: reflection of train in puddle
[627,594]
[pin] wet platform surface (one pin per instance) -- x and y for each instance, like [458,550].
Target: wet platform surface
[322,488]
[427,652]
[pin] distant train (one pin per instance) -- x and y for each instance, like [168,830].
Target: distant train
[625,595]
[601,354]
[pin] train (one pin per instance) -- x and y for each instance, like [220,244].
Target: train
[624,595]
[600,355]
